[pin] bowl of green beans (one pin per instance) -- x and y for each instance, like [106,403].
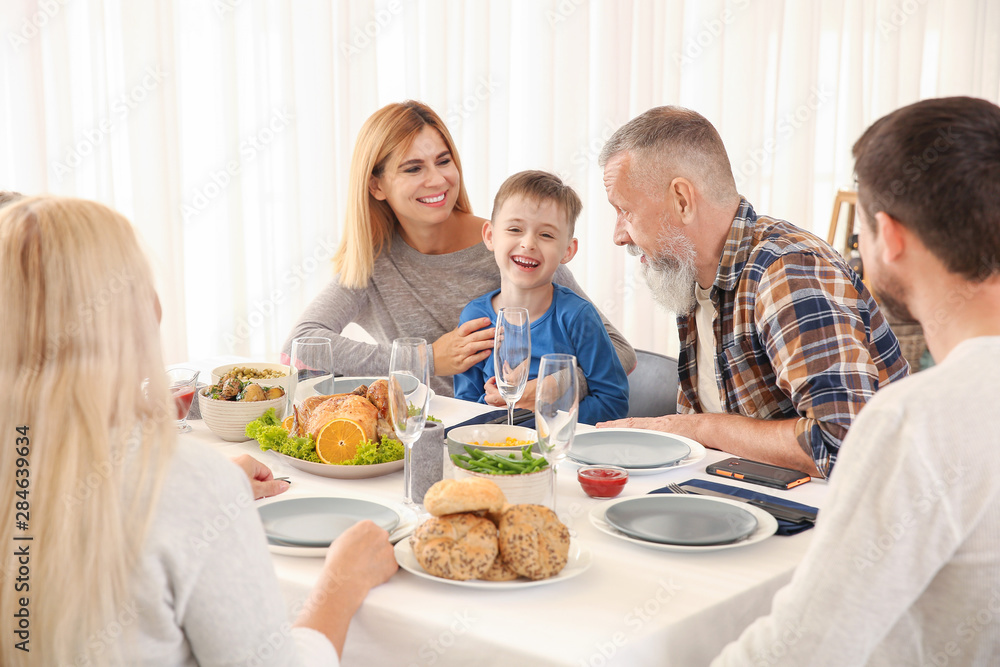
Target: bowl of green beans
[523,477]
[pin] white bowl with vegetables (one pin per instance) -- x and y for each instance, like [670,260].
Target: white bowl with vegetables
[522,476]
[229,419]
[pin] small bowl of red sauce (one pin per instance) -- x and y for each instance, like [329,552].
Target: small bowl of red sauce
[602,481]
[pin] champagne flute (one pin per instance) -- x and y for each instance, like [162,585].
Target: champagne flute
[512,355]
[556,408]
[183,382]
[409,394]
[310,371]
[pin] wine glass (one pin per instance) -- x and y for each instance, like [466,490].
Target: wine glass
[183,382]
[556,407]
[512,355]
[310,370]
[409,374]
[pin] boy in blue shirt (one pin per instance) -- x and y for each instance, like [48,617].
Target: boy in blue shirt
[531,234]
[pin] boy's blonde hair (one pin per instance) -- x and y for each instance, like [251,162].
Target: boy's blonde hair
[539,187]
[370,223]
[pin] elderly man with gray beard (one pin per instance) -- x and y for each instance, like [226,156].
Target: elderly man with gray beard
[781,343]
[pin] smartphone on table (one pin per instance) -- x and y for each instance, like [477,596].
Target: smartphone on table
[758,473]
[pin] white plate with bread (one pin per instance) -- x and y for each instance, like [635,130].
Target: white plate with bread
[578,563]
[475,538]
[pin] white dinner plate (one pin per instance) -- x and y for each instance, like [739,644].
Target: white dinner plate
[407,524]
[579,561]
[767,526]
[697,453]
[629,448]
[339,471]
[681,519]
[318,521]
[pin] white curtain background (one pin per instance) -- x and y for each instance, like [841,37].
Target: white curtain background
[224,128]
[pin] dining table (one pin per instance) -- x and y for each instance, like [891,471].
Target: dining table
[633,605]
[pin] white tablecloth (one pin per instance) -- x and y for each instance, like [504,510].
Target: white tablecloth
[634,606]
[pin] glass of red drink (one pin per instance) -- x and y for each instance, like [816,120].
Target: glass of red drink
[183,382]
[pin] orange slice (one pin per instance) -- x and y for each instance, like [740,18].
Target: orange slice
[287,423]
[338,441]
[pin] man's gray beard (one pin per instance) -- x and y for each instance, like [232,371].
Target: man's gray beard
[672,275]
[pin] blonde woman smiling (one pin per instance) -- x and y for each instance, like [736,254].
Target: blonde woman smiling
[411,254]
[164,561]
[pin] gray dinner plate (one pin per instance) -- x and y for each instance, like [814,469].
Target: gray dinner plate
[316,522]
[346,385]
[628,448]
[685,520]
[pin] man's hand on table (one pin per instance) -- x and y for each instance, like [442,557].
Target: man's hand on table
[766,440]
[262,482]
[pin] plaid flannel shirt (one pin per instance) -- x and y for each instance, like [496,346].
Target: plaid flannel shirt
[797,335]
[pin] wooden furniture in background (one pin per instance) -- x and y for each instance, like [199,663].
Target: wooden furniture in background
[909,334]
[848,198]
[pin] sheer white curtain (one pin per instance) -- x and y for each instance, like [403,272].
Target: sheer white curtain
[224,128]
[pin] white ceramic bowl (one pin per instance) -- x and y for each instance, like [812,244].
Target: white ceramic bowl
[466,435]
[282,381]
[534,488]
[229,419]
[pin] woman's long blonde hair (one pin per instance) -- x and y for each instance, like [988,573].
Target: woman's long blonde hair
[84,385]
[369,223]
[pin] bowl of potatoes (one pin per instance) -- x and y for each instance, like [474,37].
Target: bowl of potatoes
[231,403]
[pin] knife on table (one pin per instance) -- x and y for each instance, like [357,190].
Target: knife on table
[775,510]
[521,415]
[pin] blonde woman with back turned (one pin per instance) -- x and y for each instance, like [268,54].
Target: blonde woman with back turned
[411,254]
[134,548]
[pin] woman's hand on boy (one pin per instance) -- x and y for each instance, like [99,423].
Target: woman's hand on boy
[460,349]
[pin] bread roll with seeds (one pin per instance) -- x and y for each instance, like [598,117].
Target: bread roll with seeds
[533,541]
[472,494]
[457,546]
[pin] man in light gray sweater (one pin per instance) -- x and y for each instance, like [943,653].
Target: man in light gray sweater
[904,568]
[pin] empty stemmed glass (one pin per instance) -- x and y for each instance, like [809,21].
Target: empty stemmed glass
[310,371]
[556,408]
[512,355]
[183,382]
[409,395]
